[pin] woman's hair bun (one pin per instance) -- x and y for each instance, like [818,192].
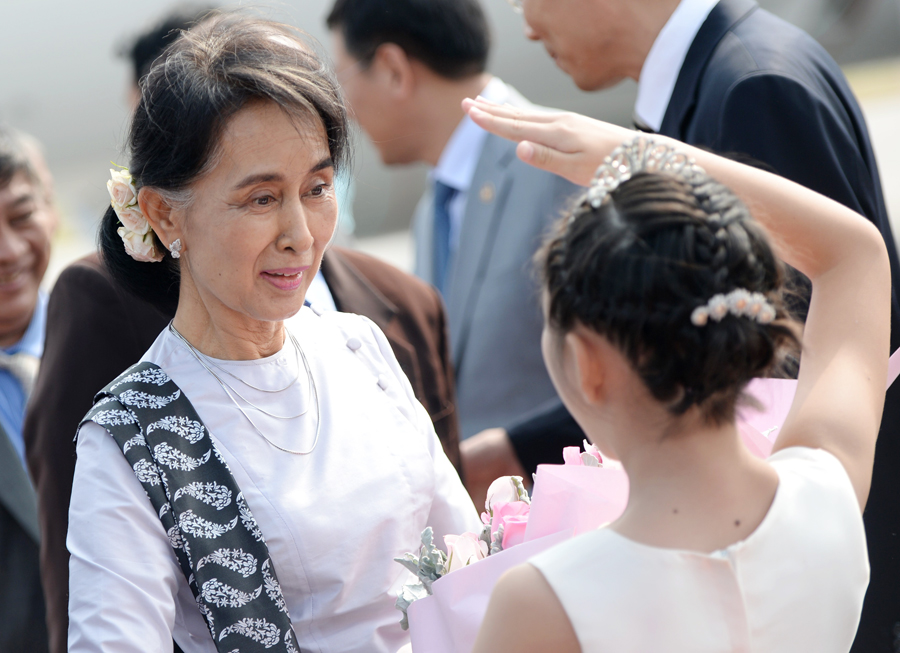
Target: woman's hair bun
[635,268]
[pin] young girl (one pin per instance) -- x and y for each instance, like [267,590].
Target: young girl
[662,299]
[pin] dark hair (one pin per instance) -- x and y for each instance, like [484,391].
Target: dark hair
[451,37]
[204,78]
[147,46]
[14,157]
[634,270]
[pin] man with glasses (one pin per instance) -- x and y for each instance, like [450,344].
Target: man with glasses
[405,66]
[727,75]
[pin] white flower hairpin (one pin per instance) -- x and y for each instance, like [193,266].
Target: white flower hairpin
[135,231]
[740,303]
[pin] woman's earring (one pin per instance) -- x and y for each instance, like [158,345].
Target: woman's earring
[175,248]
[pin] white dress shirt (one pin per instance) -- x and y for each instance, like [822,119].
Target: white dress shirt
[456,167]
[333,520]
[663,63]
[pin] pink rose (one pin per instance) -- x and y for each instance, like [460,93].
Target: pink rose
[463,550]
[140,247]
[504,512]
[590,457]
[133,220]
[513,518]
[572,456]
[514,530]
[121,189]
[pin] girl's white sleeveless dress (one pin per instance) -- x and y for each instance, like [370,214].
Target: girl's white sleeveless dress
[796,584]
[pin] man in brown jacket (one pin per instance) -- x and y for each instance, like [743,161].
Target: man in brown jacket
[95,330]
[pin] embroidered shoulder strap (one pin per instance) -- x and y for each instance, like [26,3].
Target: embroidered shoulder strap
[217,542]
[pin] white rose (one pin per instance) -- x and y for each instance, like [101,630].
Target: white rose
[121,189]
[140,247]
[463,550]
[133,220]
[504,490]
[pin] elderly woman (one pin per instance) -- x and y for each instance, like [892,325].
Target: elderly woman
[285,465]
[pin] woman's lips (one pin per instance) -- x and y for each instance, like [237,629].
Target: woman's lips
[285,278]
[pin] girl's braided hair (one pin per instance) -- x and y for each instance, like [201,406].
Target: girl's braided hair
[635,268]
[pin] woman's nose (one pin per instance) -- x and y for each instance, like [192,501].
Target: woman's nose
[295,232]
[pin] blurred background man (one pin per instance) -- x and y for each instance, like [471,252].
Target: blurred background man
[27,223]
[406,66]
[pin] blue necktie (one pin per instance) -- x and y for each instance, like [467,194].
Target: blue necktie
[443,195]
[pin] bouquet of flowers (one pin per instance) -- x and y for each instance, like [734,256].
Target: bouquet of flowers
[506,514]
[444,605]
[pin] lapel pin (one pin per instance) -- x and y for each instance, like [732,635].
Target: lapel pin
[486,194]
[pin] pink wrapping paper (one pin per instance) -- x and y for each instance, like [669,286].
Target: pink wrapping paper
[448,621]
[759,426]
[575,498]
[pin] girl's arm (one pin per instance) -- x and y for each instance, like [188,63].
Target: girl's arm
[841,386]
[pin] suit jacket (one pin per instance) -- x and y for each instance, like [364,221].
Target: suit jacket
[22,619]
[755,85]
[95,330]
[493,299]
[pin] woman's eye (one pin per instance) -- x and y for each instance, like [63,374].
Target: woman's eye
[319,190]
[264,201]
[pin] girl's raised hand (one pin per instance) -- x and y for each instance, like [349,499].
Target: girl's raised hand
[566,144]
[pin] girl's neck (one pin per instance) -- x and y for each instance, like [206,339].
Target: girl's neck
[694,486]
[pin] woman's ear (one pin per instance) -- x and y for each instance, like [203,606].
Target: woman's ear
[590,364]
[159,215]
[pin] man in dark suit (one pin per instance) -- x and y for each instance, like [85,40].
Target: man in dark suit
[734,78]
[95,330]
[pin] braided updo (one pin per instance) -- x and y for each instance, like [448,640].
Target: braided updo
[636,267]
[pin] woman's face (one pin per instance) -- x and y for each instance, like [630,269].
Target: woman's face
[261,219]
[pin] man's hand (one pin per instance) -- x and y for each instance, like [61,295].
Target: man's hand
[487,456]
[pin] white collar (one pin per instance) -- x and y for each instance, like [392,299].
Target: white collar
[664,61]
[458,161]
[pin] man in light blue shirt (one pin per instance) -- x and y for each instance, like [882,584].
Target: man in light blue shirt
[27,222]
[15,385]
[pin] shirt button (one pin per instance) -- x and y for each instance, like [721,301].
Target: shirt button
[382,382]
[353,344]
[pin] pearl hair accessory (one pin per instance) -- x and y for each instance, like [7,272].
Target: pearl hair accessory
[175,248]
[740,303]
[643,154]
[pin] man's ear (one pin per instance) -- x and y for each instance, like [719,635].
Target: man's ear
[395,69]
[590,364]
[160,216]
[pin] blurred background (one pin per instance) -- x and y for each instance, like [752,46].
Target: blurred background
[62,80]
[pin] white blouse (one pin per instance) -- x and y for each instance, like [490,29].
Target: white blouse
[795,584]
[333,520]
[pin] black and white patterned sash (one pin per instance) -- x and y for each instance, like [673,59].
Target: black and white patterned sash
[219,546]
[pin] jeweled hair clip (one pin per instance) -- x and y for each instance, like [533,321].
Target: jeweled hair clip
[643,154]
